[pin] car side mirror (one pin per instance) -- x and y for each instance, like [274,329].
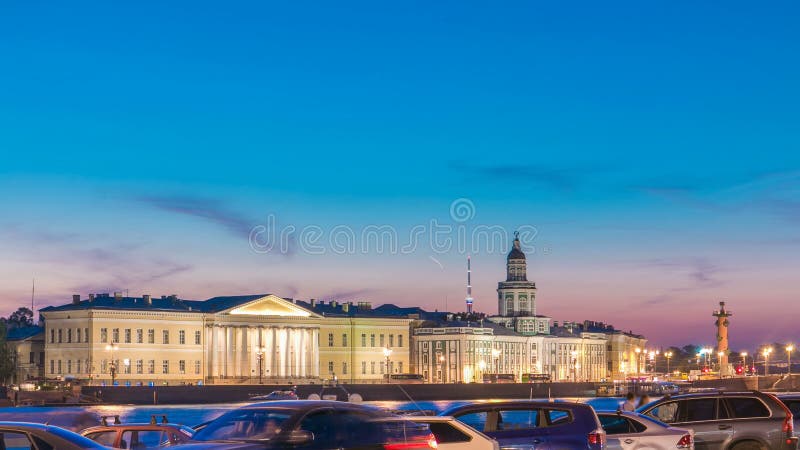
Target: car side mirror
[299,437]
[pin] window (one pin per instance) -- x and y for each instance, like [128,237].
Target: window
[145,438]
[77,335]
[165,366]
[85,335]
[59,366]
[12,439]
[69,335]
[106,438]
[182,366]
[330,366]
[383,344]
[372,367]
[78,366]
[151,366]
[400,366]
[151,336]
[52,366]
[165,337]
[52,336]
[447,434]
[372,340]
[391,340]
[139,335]
[344,368]
[363,340]
[69,366]
[59,336]
[741,407]
[182,337]
[477,420]
[115,336]
[344,340]
[399,340]
[103,366]
[127,335]
[363,367]
[330,339]
[197,367]
[139,366]
[126,365]
[32,358]
[197,338]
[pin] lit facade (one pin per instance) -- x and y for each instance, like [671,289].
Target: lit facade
[26,346]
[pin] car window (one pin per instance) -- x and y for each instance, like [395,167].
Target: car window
[446,433]
[12,440]
[105,438]
[255,423]
[144,439]
[794,407]
[518,419]
[322,424]
[698,410]
[557,416]
[41,444]
[665,412]
[478,420]
[742,407]
[614,424]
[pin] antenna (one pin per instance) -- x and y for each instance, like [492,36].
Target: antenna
[469,286]
[33,292]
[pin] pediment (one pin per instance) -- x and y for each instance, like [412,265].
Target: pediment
[272,306]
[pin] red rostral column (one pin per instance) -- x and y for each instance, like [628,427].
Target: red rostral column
[722,337]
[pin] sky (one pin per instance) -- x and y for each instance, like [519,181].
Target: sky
[359,151]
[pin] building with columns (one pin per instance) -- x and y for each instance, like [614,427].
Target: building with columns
[240,339]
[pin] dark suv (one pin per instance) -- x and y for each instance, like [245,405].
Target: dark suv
[729,420]
[534,424]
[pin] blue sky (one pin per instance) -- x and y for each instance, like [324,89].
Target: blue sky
[653,147]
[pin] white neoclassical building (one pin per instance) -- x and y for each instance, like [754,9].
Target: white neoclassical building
[241,339]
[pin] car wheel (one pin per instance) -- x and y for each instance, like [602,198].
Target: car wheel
[748,445]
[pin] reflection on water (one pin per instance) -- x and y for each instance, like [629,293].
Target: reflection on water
[77,418]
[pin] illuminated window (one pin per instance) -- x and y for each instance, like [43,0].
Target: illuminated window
[197,338]
[182,337]
[165,337]
[115,336]
[139,336]
[151,336]
[127,335]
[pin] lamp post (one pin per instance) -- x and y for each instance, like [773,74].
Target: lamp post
[789,350]
[496,358]
[638,352]
[720,354]
[260,357]
[766,353]
[113,367]
[668,355]
[386,353]
[744,363]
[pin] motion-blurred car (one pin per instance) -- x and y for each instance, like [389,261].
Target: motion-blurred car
[25,435]
[629,430]
[138,436]
[310,424]
[532,425]
[454,435]
[750,420]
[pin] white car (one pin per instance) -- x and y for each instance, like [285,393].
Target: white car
[631,431]
[454,435]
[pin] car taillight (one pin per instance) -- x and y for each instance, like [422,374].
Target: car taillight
[428,443]
[686,441]
[788,424]
[597,437]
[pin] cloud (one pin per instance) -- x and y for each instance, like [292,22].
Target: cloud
[210,210]
[350,294]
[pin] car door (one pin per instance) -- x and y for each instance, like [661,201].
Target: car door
[702,415]
[506,427]
[622,433]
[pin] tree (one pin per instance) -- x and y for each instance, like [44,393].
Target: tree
[6,363]
[22,317]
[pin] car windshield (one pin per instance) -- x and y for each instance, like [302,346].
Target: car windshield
[245,425]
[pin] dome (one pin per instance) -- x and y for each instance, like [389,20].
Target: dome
[516,251]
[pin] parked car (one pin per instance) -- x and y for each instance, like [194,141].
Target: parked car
[138,436]
[629,430]
[454,435]
[312,424]
[24,435]
[792,401]
[534,424]
[729,420]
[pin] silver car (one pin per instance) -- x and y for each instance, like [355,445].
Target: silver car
[729,420]
[627,430]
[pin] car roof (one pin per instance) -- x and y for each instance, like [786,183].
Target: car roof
[516,404]
[38,426]
[132,426]
[426,419]
[309,404]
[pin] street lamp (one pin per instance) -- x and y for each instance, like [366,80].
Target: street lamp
[113,367]
[789,350]
[766,353]
[387,352]
[638,352]
[668,355]
[744,363]
[496,357]
[720,354]
[260,357]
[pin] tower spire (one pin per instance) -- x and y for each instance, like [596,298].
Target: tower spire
[469,286]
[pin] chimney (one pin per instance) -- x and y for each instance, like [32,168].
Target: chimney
[91,298]
[173,298]
[313,303]
[147,300]
[76,299]
[333,303]
[345,307]
[117,297]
